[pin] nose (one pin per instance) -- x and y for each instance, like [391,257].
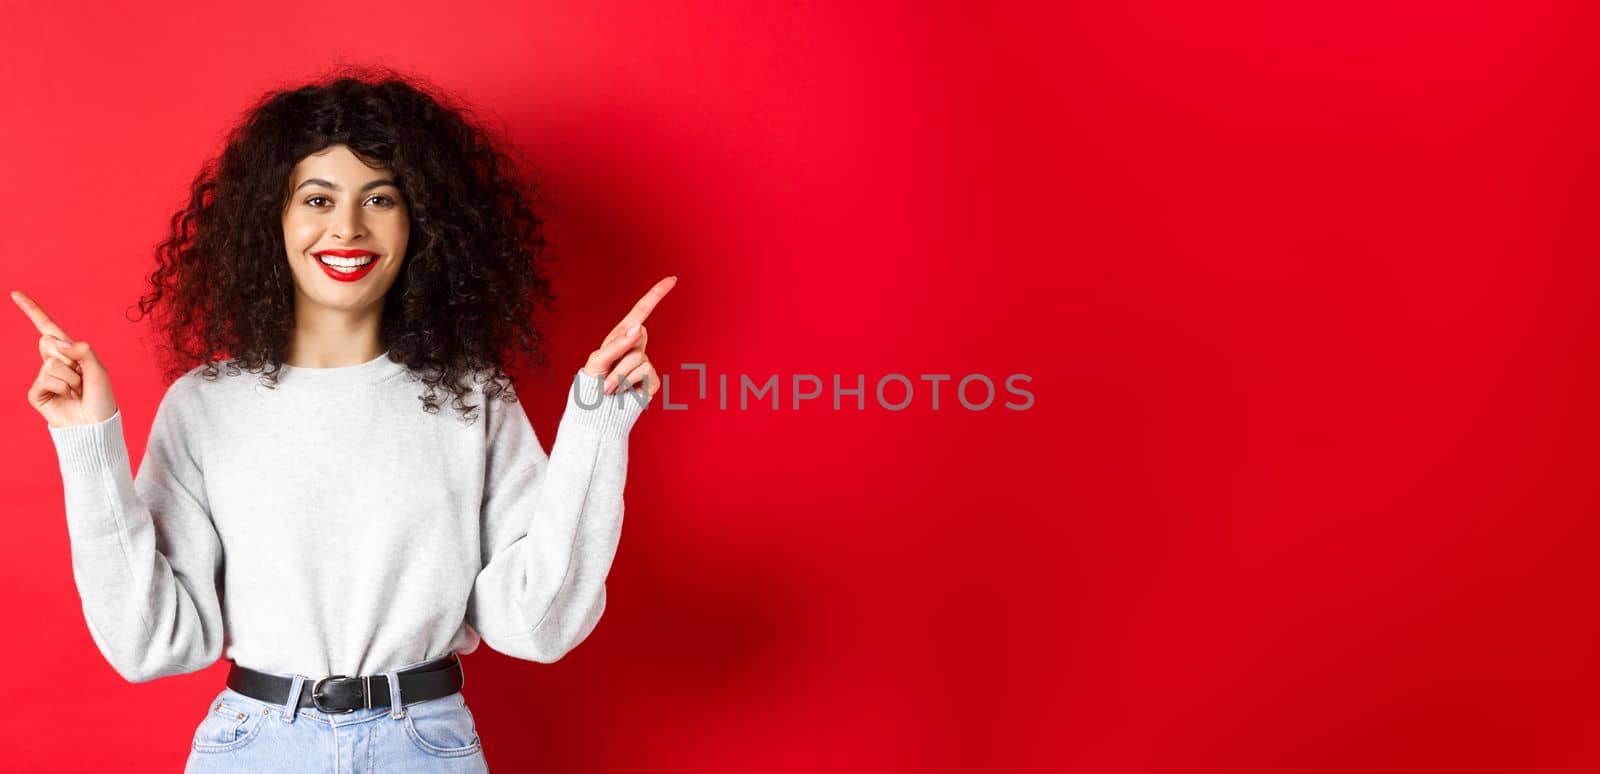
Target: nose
[348,226]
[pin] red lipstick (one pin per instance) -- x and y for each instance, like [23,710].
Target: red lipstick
[346,276]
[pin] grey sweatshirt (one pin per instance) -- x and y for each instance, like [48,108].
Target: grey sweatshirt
[331,526]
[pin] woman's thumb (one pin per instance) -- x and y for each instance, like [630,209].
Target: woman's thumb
[81,351]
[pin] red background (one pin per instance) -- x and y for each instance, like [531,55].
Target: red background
[1305,295]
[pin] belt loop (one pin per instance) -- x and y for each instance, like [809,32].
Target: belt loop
[291,708]
[463,668]
[395,701]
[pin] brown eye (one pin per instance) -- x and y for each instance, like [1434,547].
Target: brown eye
[313,199]
[386,201]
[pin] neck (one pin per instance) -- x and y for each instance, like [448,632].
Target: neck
[331,338]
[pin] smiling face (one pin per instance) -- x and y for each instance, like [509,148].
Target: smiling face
[349,214]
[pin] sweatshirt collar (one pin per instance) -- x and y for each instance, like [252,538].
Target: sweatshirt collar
[373,371]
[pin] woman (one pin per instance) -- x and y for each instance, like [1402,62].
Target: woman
[358,246]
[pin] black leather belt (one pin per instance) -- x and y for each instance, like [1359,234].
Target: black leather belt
[342,693]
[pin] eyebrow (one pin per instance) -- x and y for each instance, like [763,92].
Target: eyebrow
[319,181]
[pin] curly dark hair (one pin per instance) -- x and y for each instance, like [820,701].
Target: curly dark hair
[472,276]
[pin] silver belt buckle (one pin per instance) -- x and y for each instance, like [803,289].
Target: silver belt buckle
[316,695]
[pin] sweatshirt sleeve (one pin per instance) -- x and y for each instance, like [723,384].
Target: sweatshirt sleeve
[145,555]
[551,523]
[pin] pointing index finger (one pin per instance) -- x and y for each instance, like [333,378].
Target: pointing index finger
[36,313]
[647,304]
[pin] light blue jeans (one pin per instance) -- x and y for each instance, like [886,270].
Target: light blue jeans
[241,734]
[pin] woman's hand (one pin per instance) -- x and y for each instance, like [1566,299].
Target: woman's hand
[626,341]
[73,387]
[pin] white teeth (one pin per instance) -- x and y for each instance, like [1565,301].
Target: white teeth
[338,262]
